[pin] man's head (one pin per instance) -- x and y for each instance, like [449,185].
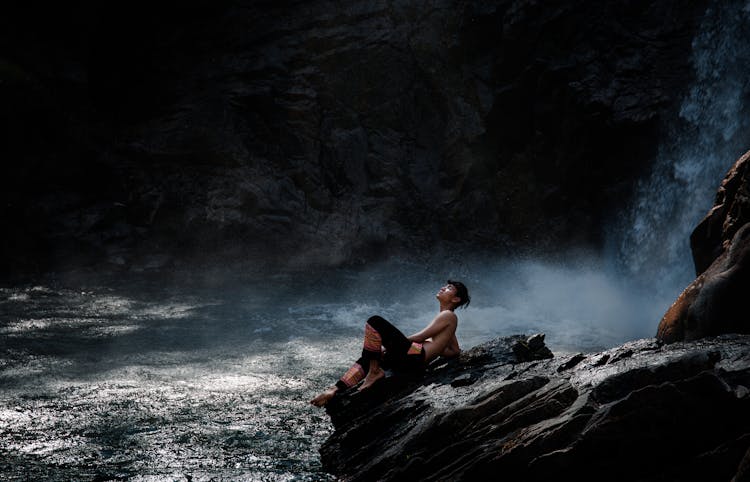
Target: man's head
[455,293]
[461,292]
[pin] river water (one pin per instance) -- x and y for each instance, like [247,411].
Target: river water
[198,377]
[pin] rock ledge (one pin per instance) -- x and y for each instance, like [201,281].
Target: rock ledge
[640,411]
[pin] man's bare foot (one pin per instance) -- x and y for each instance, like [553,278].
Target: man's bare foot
[372,377]
[324,397]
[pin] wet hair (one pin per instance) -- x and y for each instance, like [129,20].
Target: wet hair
[462,293]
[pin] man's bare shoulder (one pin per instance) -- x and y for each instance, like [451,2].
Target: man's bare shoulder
[447,315]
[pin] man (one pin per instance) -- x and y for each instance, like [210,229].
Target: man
[384,341]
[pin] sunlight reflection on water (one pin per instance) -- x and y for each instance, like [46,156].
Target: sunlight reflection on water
[108,385]
[168,381]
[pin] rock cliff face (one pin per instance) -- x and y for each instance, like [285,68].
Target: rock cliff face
[337,131]
[641,411]
[716,301]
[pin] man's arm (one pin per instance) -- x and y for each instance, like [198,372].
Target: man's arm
[436,326]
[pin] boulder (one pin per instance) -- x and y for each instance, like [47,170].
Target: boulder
[627,413]
[731,210]
[714,302]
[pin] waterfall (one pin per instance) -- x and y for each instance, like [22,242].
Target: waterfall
[651,241]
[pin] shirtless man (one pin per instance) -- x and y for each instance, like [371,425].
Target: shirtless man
[404,353]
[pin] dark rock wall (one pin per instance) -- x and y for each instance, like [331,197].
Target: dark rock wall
[337,132]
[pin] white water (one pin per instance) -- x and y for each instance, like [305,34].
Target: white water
[650,244]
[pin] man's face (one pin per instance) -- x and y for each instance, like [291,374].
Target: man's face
[447,294]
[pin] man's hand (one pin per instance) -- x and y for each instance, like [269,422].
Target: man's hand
[440,323]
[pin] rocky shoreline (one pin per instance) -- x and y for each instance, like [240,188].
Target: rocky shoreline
[672,407]
[641,411]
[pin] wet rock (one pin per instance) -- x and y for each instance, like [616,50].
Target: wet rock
[571,362]
[621,354]
[715,302]
[731,211]
[536,342]
[532,348]
[463,380]
[618,385]
[601,360]
[630,417]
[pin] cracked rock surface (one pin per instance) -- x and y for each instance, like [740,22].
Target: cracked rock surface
[640,411]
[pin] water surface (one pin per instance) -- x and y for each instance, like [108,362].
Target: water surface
[209,377]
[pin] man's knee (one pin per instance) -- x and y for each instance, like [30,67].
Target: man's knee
[377,322]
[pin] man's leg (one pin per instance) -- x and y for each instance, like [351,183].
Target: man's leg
[392,339]
[352,376]
[379,332]
[402,354]
[369,362]
[371,354]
